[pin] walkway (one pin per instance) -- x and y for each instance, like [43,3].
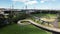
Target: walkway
[53,30]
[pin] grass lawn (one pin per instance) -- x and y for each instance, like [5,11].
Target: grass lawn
[18,29]
[45,15]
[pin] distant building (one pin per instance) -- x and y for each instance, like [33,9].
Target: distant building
[1,12]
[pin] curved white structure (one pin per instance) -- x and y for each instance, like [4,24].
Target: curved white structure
[19,22]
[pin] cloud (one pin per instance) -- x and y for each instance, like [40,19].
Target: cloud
[4,7]
[20,0]
[43,1]
[29,2]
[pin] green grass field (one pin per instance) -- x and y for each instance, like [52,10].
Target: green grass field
[18,29]
[45,15]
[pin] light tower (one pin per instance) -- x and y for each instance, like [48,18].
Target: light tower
[11,13]
[26,7]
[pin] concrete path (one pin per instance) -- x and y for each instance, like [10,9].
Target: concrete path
[19,22]
[54,30]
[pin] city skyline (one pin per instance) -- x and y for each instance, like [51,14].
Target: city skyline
[31,4]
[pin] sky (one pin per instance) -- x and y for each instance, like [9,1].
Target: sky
[31,4]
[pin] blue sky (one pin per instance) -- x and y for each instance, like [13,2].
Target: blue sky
[31,4]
